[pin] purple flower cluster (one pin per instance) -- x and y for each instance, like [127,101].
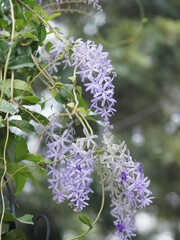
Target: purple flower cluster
[94,2]
[94,67]
[125,180]
[71,179]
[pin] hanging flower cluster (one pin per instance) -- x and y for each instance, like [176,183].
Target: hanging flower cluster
[94,67]
[71,179]
[125,181]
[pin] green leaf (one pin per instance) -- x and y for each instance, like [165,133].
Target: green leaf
[60,99]
[53,92]
[48,46]
[42,171]
[21,62]
[29,35]
[30,100]
[24,125]
[3,23]
[6,107]
[79,90]
[19,87]
[41,30]
[73,78]
[25,50]
[35,158]
[14,235]
[37,116]
[82,102]
[4,48]
[20,181]
[31,3]
[68,88]
[86,220]
[21,149]
[82,111]
[45,161]
[26,219]
[54,15]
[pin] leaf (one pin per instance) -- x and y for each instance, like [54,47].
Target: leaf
[37,116]
[82,111]
[25,50]
[21,149]
[42,171]
[73,78]
[31,3]
[82,102]
[29,35]
[68,88]
[4,48]
[24,125]
[21,62]
[20,182]
[48,46]
[86,220]
[79,90]
[36,158]
[59,98]
[41,30]
[6,107]
[54,15]
[30,100]
[14,235]
[19,87]
[27,218]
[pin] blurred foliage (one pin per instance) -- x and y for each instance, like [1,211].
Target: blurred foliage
[148,109]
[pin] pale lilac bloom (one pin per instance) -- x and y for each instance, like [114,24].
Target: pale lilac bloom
[71,178]
[125,181]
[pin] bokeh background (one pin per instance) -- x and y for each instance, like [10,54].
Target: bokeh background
[143,41]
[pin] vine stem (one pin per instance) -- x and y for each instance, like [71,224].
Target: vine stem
[39,164]
[5,169]
[10,50]
[45,22]
[101,208]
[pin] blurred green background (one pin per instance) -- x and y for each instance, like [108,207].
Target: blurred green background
[146,55]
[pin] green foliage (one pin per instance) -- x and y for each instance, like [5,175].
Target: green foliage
[86,220]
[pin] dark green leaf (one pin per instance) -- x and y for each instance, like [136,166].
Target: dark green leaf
[4,48]
[37,117]
[6,107]
[30,100]
[19,87]
[21,150]
[41,30]
[3,23]
[25,50]
[20,181]
[29,35]
[26,219]
[24,125]
[59,98]
[86,220]
[48,46]
[14,235]
[35,158]
[82,102]
[21,62]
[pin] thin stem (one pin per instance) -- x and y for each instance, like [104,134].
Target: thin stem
[35,165]
[64,2]
[45,22]
[103,194]
[83,234]
[12,84]
[71,10]
[2,178]
[39,68]
[10,50]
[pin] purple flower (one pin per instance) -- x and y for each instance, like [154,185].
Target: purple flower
[95,71]
[71,178]
[125,181]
